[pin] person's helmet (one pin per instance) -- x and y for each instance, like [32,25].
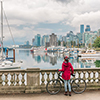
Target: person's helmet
[66,57]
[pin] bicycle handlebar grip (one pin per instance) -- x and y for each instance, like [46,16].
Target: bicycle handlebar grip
[73,74]
[57,70]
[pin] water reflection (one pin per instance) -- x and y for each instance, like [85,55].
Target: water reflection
[77,62]
[53,60]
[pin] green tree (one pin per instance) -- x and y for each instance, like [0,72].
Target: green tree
[74,43]
[97,63]
[59,42]
[64,43]
[96,43]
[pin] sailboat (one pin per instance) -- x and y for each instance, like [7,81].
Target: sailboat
[6,64]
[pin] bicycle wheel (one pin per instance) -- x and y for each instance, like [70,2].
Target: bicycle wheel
[78,85]
[53,86]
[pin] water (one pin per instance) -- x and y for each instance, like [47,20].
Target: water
[50,61]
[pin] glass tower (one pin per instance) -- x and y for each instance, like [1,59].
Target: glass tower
[81,28]
[87,28]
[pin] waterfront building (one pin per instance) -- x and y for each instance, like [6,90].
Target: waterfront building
[59,37]
[68,43]
[70,35]
[45,39]
[75,40]
[79,35]
[38,40]
[81,28]
[87,28]
[26,42]
[64,38]
[53,40]
[98,33]
[25,45]
[47,44]
[89,37]
[33,42]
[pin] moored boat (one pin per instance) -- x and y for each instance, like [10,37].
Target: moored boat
[89,53]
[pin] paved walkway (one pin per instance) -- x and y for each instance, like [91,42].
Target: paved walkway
[89,95]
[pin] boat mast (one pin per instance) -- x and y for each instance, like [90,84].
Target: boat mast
[1,30]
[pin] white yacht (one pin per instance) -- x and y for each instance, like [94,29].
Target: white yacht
[88,53]
[6,64]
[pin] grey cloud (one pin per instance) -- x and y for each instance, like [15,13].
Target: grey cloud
[64,1]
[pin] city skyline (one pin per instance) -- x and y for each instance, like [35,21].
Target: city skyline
[28,18]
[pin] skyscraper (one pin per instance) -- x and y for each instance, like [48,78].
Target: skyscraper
[53,40]
[45,39]
[81,28]
[87,28]
[38,40]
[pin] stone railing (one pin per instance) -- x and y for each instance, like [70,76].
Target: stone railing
[35,80]
[91,77]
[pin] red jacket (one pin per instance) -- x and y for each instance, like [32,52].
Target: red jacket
[66,70]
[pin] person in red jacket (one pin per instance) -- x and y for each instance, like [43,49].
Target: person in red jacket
[67,70]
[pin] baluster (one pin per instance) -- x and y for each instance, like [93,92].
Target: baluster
[12,80]
[53,73]
[94,76]
[6,80]
[79,73]
[98,76]
[17,80]
[43,78]
[23,80]
[48,79]
[89,77]
[84,75]
[1,79]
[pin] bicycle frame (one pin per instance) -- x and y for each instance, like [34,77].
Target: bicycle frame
[59,77]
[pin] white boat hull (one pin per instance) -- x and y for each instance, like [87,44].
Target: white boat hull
[9,65]
[89,55]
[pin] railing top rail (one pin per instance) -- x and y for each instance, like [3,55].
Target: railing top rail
[3,71]
[47,70]
[76,69]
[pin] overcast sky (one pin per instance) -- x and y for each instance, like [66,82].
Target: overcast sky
[30,17]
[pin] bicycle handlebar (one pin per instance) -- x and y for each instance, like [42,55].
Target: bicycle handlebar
[62,72]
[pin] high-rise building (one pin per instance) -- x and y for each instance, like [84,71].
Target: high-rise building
[53,40]
[33,41]
[26,42]
[45,39]
[89,37]
[81,28]
[64,38]
[87,28]
[38,40]
[79,35]
[98,33]
[59,37]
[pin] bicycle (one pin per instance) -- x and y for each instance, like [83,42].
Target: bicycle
[78,85]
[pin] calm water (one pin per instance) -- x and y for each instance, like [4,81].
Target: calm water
[50,61]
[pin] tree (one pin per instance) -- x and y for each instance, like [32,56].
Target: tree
[64,43]
[97,43]
[97,63]
[59,42]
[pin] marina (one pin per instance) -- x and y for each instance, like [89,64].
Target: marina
[51,60]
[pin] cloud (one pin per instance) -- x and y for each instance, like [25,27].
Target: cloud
[64,1]
[25,15]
